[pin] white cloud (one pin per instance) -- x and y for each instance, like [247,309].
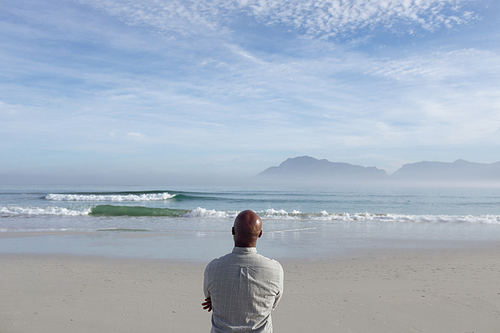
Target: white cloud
[321,18]
[136,135]
[173,16]
[331,17]
[439,65]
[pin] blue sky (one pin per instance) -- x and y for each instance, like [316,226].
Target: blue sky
[131,92]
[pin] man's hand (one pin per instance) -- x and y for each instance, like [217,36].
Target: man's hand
[207,305]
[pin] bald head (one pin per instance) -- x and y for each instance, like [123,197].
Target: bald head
[247,229]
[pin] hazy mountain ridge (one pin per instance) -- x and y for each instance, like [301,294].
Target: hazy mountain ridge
[306,169]
[441,171]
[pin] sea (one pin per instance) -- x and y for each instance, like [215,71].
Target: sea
[194,223]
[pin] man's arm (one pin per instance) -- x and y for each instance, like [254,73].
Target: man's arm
[207,305]
[280,287]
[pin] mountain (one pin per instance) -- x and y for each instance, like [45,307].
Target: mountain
[459,170]
[308,169]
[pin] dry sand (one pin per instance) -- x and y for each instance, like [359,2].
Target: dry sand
[421,291]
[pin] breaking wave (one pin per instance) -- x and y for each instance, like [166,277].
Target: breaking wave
[111,197]
[203,213]
[367,217]
[60,211]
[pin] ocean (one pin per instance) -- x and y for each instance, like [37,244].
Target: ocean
[194,223]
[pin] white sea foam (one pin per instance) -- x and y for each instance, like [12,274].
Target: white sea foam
[292,230]
[345,217]
[369,217]
[209,213]
[61,211]
[276,215]
[110,197]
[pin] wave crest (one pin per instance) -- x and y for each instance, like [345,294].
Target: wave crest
[110,197]
[210,213]
[60,211]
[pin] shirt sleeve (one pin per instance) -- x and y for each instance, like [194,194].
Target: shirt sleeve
[206,283]
[280,287]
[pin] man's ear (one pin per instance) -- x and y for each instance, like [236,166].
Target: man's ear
[232,231]
[260,233]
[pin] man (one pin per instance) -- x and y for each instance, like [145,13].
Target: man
[243,287]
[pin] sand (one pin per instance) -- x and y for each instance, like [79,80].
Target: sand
[452,290]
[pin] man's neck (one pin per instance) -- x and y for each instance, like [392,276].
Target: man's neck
[238,244]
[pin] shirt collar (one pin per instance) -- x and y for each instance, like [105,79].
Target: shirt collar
[244,250]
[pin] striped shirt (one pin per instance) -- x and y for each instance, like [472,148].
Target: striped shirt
[244,287]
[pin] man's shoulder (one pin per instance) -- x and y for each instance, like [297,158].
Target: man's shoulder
[219,261]
[267,260]
[235,259]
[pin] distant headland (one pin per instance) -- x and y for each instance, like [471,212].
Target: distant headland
[305,169]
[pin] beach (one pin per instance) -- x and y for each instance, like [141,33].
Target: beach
[420,290]
[361,260]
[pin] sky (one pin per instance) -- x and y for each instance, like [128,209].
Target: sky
[163,92]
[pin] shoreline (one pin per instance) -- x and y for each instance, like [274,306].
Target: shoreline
[183,246]
[370,290]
